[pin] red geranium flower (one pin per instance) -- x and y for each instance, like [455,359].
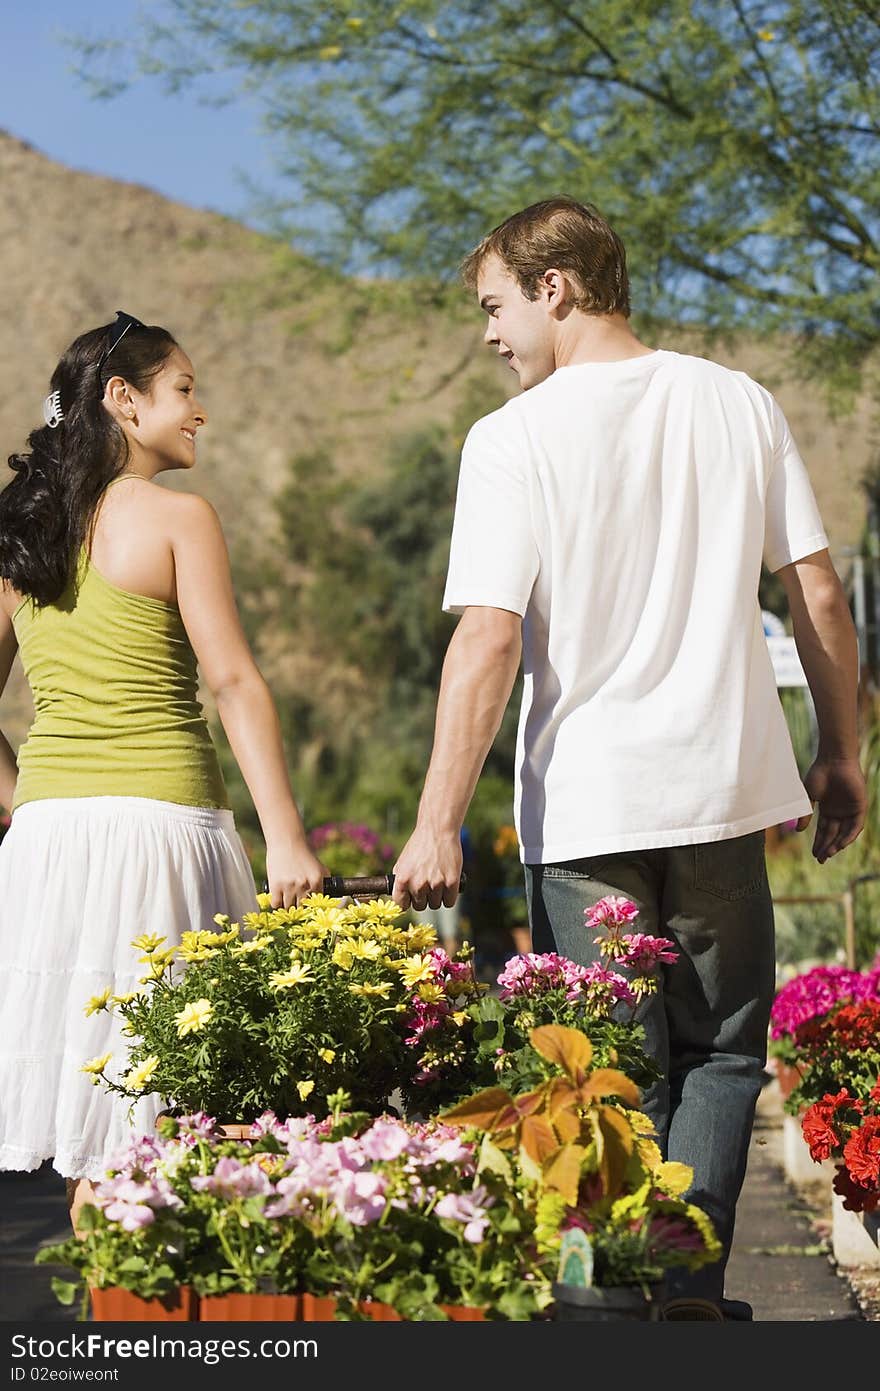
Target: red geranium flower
[856,1198]
[861,1152]
[818,1123]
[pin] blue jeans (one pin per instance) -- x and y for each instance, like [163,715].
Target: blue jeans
[707,1025]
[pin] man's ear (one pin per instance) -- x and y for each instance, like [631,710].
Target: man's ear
[557,288]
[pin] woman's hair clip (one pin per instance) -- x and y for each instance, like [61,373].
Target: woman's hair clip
[52,412]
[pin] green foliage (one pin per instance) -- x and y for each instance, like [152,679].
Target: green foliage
[733,145]
[148,1261]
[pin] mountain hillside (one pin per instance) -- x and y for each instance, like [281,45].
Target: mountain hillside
[283,364]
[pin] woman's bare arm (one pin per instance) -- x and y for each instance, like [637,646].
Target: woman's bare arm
[244,703]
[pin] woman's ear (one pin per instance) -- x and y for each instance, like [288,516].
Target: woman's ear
[117,399]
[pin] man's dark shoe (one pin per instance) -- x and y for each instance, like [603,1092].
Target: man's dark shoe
[737,1311]
[689,1308]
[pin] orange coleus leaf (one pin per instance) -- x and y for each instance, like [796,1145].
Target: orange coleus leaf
[614,1145]
[491,1109]
[607,1081]
[538,1138]
[528,1102]
[567,1124]
[569,1048]
[562,1172]
[562,1095]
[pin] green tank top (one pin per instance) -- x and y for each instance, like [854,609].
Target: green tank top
[115,688]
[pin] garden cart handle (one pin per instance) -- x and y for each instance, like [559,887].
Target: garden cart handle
[369,886]
[365,886]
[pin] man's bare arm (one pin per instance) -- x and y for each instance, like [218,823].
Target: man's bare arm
[828,648]
[479,670]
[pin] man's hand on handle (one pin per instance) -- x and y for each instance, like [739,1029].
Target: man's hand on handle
[428,871]
[837,789]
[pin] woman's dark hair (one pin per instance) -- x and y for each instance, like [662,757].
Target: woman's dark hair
[46,510]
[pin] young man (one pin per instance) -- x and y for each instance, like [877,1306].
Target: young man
[610,528]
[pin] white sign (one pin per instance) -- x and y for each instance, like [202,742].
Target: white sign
[786,662]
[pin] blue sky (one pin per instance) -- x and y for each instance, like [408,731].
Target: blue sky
[189,152]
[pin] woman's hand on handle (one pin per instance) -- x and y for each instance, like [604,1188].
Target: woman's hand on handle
[292,873]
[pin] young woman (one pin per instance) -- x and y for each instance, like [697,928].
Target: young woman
[113,589]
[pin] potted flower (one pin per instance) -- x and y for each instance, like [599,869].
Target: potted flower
[810,995]
[586,1154]
[838,1095]
[539,988]
[350,1217]
[287,1008]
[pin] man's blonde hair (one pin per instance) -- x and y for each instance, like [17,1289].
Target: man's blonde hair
[568,236]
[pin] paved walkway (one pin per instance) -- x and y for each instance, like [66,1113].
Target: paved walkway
[778,1262]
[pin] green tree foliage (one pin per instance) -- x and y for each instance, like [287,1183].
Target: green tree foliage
[734,144]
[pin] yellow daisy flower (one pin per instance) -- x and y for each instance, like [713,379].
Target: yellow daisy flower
[317,900]
[148,941]
[430,992]
[305,1089]
[299,974]
[136,1080]
[253,944]
[193,1017]
[383,990]
[420,936]
[326,1054]
[95,1066]
[415,969]
[98,1002]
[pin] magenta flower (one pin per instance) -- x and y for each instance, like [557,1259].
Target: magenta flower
[817,991]
[605,988]
[611,911]
[643,953]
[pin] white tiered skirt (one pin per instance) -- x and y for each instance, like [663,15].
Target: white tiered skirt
[81,877]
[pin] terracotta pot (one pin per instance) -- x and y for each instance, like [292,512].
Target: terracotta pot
[234,1130]
[317,1308]
[321,1309]
[463,1313]
[250,1308]
[379,1313]
[116,1305]
[788,1076]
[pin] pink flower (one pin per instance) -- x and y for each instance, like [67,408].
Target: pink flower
[611,911]
[384,1140]
[643,953]
[605,988]
[469,1208]
[232,1179]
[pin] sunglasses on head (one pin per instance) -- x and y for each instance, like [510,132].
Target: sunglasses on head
[123,323]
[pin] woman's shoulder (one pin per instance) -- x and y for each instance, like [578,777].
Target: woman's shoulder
[162,511]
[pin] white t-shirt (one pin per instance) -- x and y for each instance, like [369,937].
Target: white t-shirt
[623,509]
